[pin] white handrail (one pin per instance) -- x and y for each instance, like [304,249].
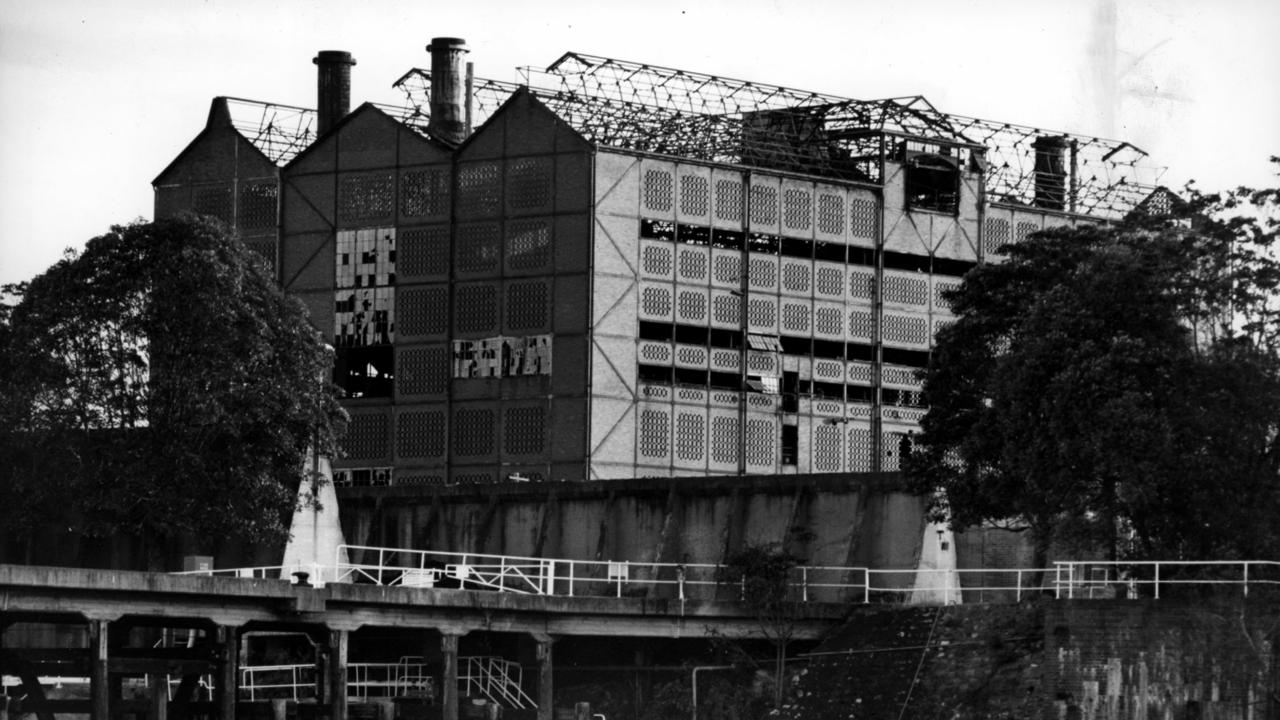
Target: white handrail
[809,583]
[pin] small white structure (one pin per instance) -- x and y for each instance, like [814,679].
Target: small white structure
[315,533]
[937,581]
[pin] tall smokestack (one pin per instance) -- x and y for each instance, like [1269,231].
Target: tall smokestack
[448,89]
[333,87]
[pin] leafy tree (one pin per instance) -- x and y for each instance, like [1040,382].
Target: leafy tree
[157,385]
[1117,386]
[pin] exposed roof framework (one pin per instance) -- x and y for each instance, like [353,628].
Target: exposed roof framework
[279,131]
[665,110]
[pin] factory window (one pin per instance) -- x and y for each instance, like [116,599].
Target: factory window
[725,338]
[828,349]
[829,251]
[794,345]
[730,239]
[691,334]
[859,394]
[364,311]
[906,261]
[655,330]
[658,230]
[858,351]
[955,268]
[790,391]
[654,374]
[792,247]
[790,444]
[827,391]
[760,243]
[689,376]
[862,256]
[365,371]
[932,183]
[910,358]
[725,381]
[693,234]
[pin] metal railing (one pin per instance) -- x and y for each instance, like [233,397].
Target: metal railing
[292,682]
[1075,579]
[499,680]
[807,583]
[364,681]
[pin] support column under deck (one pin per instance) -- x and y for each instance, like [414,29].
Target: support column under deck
[449,679]
[99,689]
[546,686]
[338,641]
[228,681]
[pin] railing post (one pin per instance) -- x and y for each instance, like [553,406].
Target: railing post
[804,583]
[866,586]
[572,565]
[1157,579]
[502,573]
[1246,578]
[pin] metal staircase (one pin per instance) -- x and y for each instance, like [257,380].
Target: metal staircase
[494,679]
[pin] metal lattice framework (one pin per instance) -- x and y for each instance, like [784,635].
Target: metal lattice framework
[283,131]
[650,108]
[279,131]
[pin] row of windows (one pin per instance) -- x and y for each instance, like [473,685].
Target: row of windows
[790,389]
[765,244]
[791,345]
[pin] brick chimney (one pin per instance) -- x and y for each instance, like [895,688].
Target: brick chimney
[333,87]
[448,90]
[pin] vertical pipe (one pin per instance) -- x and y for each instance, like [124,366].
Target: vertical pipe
[470,97]
[744,268]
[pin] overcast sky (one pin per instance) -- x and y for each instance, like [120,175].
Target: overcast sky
[96,97]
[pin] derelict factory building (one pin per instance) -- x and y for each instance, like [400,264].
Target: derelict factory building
[624,270]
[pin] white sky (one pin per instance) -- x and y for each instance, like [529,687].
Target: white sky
[97,96]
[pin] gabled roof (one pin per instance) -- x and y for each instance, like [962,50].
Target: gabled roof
[220,119]
[392,115]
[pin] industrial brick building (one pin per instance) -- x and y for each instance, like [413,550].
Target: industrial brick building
[625,270]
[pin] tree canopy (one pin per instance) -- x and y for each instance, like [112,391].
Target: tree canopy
[159,384]
[1117,386]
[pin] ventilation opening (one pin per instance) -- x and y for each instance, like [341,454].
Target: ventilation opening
[932,183]
[790,444]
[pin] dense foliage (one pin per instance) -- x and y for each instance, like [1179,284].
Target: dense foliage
[158,384]
[1117,387]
